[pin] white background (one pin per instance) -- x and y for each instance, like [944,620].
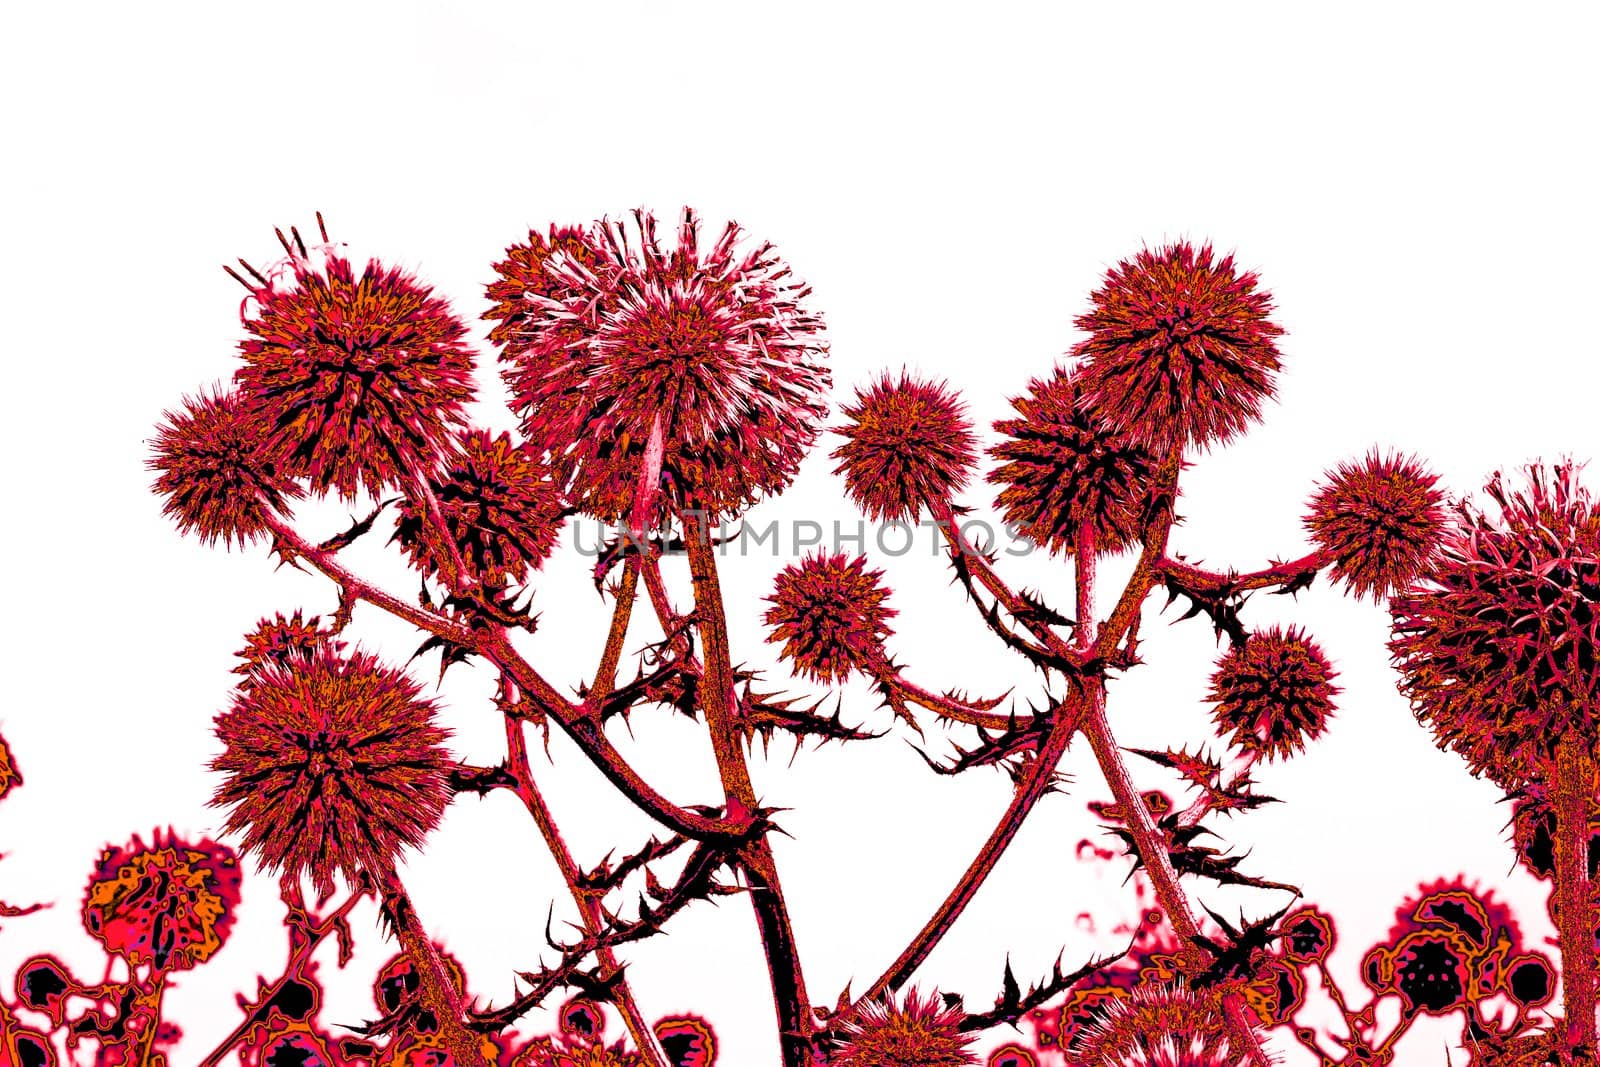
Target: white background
[1415,187]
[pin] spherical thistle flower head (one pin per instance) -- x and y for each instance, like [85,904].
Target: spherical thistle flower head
[500,503]
[284,642]
[331,766]
[831,614]
[1381,520]
[918,1033]
[1180,352]
[1273,693]
[907,441]
[168,904]
[1158,1024]
[714,349]
[218,476]
[359,380]
[1498,645]
[1308,936]
[1061,470]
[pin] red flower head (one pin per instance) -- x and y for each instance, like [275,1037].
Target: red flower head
[169,905]
[1158,1024]
[831,614]
[1381,520]
[907,442]
[1274,693]
[919,1033]
[1498,646]
[331,766]
[1062,469]
[359,380]
[500,504]
[285,642]
[618,339]
[218,477]
[1180,352]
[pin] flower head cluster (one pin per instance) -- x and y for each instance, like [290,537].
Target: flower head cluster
[331,765]
[831,615]
[1381,520]
[619,346]
[219,477]
[907,441]
[1180,352]
[917,1033]
[358,380]
[500,504]
[1498,646]
[168,905]
[1064,472]
[285,642]
[1273,693]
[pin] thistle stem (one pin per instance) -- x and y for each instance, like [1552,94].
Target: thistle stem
[589,906]
[1575,912]
[766,892]
[439,992]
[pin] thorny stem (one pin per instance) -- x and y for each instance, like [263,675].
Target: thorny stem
[316,933]
[1574,902]
[1152,849]
[941,705]
[717,700]
[439,992]
[1063,726]
[605,675]
[589,905]
[1199,578]
[493,643]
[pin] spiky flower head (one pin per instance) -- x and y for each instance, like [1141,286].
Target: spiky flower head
[619,339]
[831,615]
[501,505]
[907,441]
[1180,352]
[331,765]
[1307,936]
[1498,645]
[359,380]
[1062,470]
[1380,519]
[917,1033]
[1158,1024]
[1273,693]
[218,476]
[284,642]
[168,905]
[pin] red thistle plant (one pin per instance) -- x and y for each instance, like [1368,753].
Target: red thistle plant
[357,380]
[1380,520]
[624,352]
[500,507]
[917,1032]
[668,382]
[831,615]
[1273,693]
[218,476]
[1498,648]
[906,441]
[1062,471]
[1180,352]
